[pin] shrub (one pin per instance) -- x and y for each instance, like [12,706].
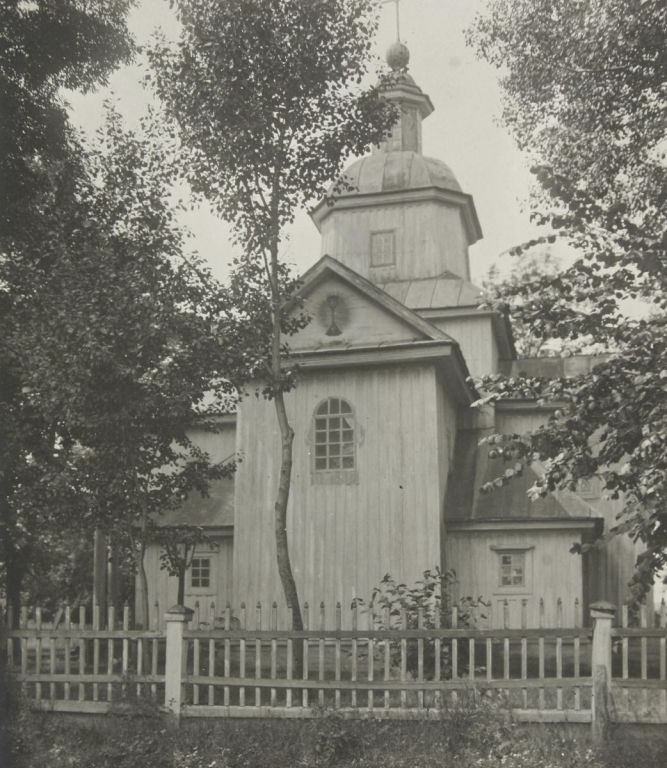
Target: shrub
[429,602]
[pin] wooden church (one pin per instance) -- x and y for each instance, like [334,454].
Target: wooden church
[387,466]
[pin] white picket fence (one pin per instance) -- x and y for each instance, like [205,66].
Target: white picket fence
[384,666]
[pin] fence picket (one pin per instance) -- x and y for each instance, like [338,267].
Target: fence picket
[274,650]
[126,645]
[662,623]
[420,658]
[211,671]
[559,653]
[68,651]
[437,673]
[404,657]
[258,655]
[227,672]
[524,651]
[355,650]
[242,653]
[506,640]
[371,659]
[304,693]
[38,653]
[577,662]
[140,665]
[387,658]
[196,662]
[643,642]
[540,651]
[96,650]
[154,657]
[337,659]
[437,650]
[111,625]
[82,653]
[52,666]
[288,672]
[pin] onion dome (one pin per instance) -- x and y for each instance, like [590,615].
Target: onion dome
[401,170]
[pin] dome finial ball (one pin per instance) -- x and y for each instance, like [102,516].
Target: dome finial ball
[398,55]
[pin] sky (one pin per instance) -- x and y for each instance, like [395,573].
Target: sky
[464,130]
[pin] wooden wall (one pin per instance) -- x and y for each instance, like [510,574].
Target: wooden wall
[553,572]
[359,320]
[430,238]
[343,537]
[163,588]
[476,339]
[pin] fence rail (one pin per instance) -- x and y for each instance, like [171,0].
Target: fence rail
[72,665]
[394,666]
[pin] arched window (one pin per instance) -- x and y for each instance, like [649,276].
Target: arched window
[334,436]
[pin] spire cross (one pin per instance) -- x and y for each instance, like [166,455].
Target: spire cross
[398,17]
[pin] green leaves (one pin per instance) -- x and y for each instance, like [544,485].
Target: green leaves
[262,95]
[583,93]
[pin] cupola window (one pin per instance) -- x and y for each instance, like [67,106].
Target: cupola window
[383,248]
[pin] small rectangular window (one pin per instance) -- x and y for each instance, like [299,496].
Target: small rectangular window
[382,249]
[512,569]
[200,572]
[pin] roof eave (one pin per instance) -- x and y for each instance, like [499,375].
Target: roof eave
[397,196]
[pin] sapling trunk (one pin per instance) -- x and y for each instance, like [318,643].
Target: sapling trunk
[181,586]
[142,617]
[284,483]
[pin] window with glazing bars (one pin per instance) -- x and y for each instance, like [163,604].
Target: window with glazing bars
[200,572]
[334,436]
[512,569]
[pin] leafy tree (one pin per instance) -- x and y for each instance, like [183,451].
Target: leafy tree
[268,101]
[126,354]
[583,91]
[179,543]
[44,46]
[507,292]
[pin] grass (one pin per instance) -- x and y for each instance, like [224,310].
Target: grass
[470,737]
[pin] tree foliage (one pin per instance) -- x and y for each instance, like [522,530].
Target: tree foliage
[583,86]
[119,344]
[110,341]
[268,100]
[44,46]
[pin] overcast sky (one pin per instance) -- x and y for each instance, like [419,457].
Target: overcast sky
[463,131]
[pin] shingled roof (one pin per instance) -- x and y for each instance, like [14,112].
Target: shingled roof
[213,511]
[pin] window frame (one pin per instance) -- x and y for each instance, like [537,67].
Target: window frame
[329,474]
[526,587]
[200,589]
[384,264]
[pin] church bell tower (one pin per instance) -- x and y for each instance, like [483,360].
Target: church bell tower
[405,216]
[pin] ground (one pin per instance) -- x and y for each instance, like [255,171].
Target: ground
[472,737]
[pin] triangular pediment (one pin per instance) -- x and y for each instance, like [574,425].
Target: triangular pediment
[347,310]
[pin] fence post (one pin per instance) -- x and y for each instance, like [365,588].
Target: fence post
[176,620]
[602,614]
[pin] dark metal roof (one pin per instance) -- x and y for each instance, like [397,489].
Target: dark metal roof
[472,468]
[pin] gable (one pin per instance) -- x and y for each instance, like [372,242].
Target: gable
[347,310]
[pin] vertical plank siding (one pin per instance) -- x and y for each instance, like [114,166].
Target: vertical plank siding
[342,535]
[429,237]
